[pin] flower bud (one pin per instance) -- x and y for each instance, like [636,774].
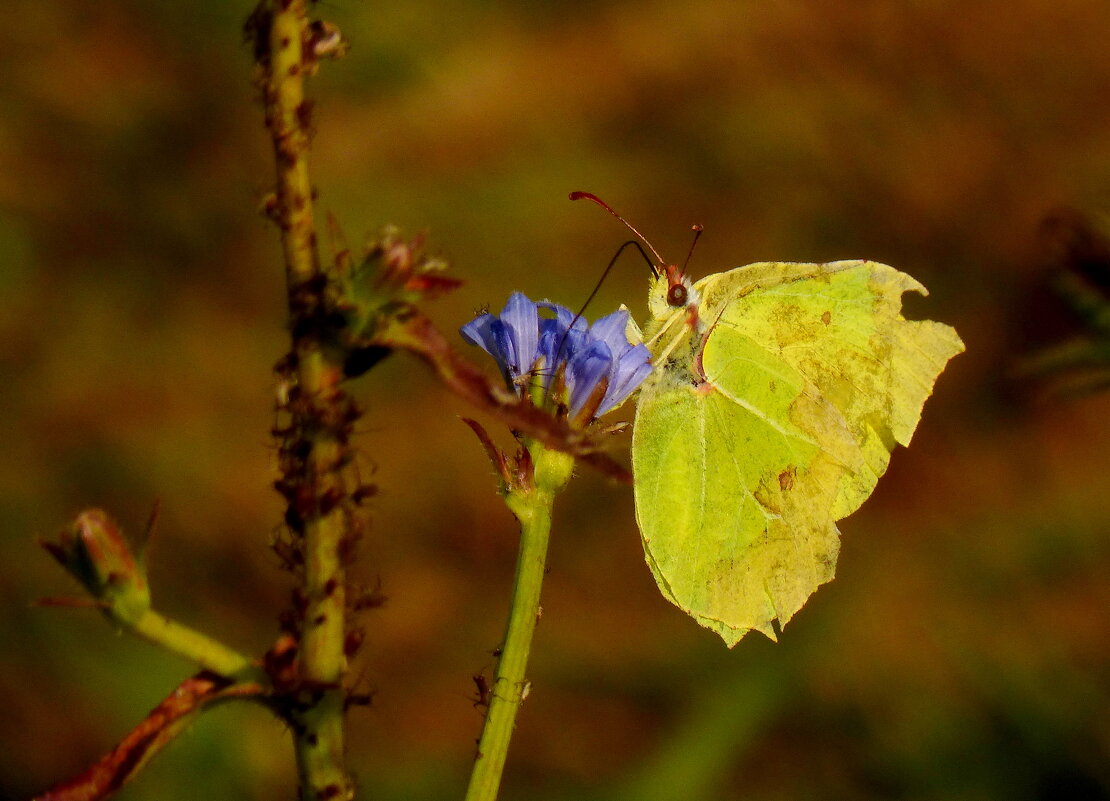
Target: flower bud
[94,552]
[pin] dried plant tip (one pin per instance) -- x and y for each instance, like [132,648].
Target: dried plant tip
[363,493]
[289,552]
[72,603]
[287,365]
[359,699]
[592,403]
[270,207]
[362,360]
[280,663]
[151,522]
[353,641]
[323,40]
[484,692]
[525,475]
[332,497]
[496,456]
[256,31]
[369,599]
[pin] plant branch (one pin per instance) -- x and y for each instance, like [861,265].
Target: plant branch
[157,729]
[209,653]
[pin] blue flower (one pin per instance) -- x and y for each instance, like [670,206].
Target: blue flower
[591,369]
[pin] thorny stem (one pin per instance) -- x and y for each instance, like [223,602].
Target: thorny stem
[319,729]
[532,507]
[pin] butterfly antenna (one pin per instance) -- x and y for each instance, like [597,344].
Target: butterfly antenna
[597,288]
[697,229]
[628,225]
[608,268]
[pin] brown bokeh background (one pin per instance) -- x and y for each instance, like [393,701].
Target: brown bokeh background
[963,650]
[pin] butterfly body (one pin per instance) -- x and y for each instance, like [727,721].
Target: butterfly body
[778,393]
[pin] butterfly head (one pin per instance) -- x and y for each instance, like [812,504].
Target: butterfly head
[671,290]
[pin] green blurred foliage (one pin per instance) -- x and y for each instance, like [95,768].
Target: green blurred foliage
[963,651]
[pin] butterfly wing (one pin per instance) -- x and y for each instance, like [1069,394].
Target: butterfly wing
[771,423]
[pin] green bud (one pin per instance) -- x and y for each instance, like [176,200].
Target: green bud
[392,274]
[94,552]
[553,469]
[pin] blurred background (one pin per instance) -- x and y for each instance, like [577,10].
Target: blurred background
[963,651]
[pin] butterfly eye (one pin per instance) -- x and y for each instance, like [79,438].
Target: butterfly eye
[677,295]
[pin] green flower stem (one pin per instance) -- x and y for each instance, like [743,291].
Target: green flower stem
[532,507]
[196,647]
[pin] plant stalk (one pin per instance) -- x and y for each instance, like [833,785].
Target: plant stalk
[532,506]
[319,730]
[191,644]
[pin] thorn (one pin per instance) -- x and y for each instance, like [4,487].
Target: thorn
[73,603]
[151,522]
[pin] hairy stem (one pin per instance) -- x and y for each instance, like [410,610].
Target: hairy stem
[532,506]
[319,727]
[286,116]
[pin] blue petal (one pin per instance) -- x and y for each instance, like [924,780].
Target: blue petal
[550,337]
[502,338]
[585,369]
[558,344]
[611,329]
[631,369]
[565,316]
[477,332]
[522,323]
[576,341]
